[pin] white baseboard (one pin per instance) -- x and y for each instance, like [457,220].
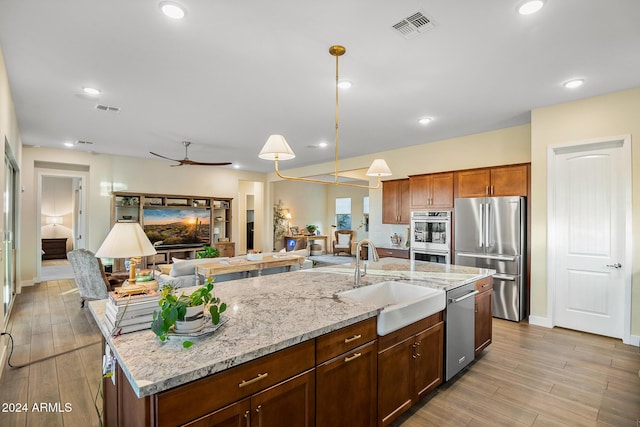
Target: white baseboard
[24,283]
[540,321]
[633,340]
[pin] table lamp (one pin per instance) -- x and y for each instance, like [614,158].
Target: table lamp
[126,240]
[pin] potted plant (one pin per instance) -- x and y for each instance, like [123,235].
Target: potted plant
[185,308]
[311,228]
[208,252]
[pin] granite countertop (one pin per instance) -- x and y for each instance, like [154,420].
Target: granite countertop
[266,314]
[433,275]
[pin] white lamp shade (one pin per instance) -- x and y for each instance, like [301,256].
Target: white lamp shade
[216,230]
[276,147]
[379,168]
[125,240]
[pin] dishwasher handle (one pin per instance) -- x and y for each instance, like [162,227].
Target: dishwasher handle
[463,297]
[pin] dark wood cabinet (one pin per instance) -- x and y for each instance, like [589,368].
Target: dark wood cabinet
[395,202]
[346,389]
[431,191]
[54,248]
[497,181]
[393,253]
[288,403]
[410,365]
[483,316]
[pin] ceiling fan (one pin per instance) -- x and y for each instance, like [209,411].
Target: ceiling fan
[187,161]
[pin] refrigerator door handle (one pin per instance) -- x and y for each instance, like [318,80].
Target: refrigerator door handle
[481,240]
[487,225]
[503,277]
[496,257]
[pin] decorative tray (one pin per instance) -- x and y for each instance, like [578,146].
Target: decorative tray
[207,329]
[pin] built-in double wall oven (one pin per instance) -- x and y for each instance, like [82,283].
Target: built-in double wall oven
[431,236]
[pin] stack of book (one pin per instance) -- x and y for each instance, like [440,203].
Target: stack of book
[130,313]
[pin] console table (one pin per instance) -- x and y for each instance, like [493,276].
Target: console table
[54,248]
[243,265]
[308,239]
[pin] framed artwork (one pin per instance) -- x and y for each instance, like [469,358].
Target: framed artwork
[295,230]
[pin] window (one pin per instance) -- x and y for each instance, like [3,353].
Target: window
[343,213]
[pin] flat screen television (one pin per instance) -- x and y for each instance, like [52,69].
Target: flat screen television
[177,227]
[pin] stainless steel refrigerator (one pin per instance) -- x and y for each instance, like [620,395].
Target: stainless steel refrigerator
[489,232]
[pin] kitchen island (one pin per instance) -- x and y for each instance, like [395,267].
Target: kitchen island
[268,315]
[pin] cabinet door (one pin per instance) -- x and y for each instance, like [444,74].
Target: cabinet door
[235,415]
[441,190]
[428,357]
[346,389]
[404,212]
[483,332]
[289,403]
[420,191]
[474,183]
[395,381]
[390,202]
[509,181]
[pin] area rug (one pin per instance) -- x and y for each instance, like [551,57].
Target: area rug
[56,272]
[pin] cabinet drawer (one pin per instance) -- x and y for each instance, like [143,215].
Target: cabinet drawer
[337,342]
[393,253]
[485,284]
[186,402]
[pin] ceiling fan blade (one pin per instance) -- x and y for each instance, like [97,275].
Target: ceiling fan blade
[195,163]
[164,157]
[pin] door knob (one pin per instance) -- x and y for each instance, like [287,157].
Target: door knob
[616,265]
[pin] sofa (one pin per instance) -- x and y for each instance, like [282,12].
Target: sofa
[182,273]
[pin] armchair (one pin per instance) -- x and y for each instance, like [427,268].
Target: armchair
[342,243]
[89,275]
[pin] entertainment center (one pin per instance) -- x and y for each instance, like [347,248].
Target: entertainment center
[178,226]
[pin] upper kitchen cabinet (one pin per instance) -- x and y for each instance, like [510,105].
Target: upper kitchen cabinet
[395,202]
[496,181]
[431,191]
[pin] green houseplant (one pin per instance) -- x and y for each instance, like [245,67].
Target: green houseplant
[208,252]
[311,228]
[173,308]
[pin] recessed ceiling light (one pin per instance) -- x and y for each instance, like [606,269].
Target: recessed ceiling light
[572,84]
[236,166]
[530,6]
[322,145]
[344,84]
[172,10]
[91,91]
[69,144]
[425,120]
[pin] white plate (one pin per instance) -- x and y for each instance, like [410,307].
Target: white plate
[207,329]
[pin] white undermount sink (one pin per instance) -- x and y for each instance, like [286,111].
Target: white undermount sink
[401,303]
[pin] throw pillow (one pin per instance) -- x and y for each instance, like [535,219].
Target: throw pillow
[343,240]
[182,267]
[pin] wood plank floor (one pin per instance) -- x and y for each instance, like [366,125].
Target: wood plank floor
[529,376]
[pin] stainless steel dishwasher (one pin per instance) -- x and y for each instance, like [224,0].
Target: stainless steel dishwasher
[460,329]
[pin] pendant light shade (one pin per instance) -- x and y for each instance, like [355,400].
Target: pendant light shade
[276,147]
[379,168]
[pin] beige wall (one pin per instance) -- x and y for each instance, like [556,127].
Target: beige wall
[114,173]
[9,132]
[499,147]
[599,117]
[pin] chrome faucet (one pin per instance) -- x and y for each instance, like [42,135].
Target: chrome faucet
[358,274]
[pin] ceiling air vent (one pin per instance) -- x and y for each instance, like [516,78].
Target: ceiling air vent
[107,108]
[81,142]
[414,25]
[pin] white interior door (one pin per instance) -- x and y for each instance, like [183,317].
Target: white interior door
[589,230]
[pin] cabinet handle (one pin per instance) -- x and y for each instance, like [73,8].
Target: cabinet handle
[353,338]
[492,190]
[355,356]
[259,415]
[245,383]
[246,417]
[486,189]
